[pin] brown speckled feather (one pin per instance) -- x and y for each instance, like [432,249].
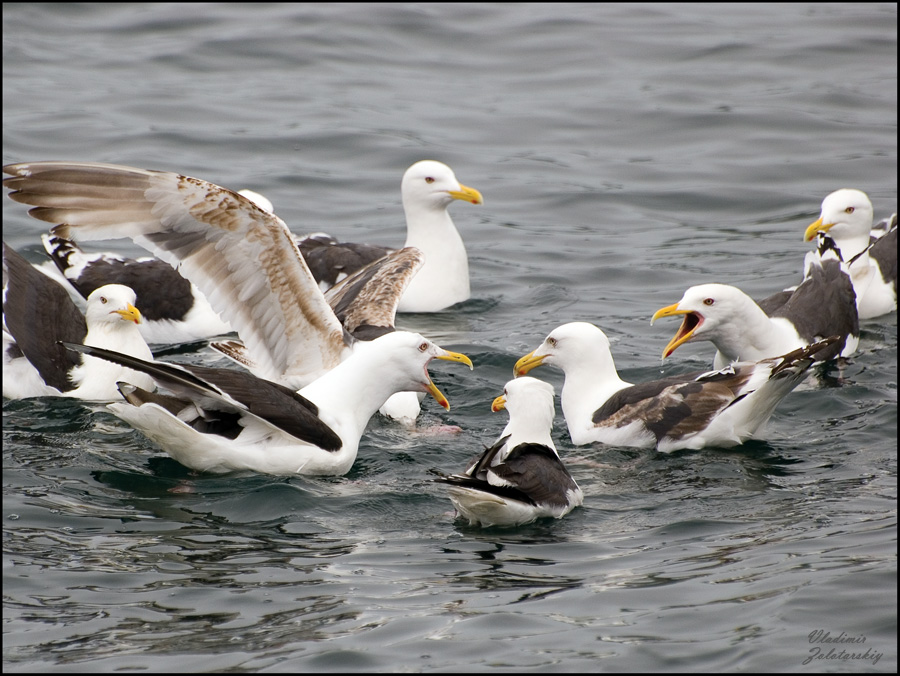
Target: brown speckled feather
[241,257]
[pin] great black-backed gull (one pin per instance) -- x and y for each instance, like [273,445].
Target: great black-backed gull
[718,408]
[174,310]
[520,478]
[871,252]
[743,330]
[240,255]
[224,420]
[38,312]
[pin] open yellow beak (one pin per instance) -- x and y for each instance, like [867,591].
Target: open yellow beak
[498,404]
[432,389]
[526,363]
[466,194]
[439,397]
[685,331]
[130,314]
[813,228]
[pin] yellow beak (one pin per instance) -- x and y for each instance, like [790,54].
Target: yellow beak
[685,331]
[813,228]
[498,404]
[439,397]
[466,194]
[130,314]
[526,363]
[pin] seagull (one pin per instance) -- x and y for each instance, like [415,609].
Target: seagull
[718,408]
[871,253]
[520,478]
[38,312]
[741,330]
[175,311]
[240,255]
[427,189]
[222,420]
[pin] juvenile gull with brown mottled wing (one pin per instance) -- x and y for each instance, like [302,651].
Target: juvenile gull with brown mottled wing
[717,408]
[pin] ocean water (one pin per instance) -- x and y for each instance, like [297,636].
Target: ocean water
[625,152]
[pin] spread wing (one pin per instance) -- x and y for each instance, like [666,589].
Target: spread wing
[241,257]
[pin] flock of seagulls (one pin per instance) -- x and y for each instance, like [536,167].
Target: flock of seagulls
[318,353]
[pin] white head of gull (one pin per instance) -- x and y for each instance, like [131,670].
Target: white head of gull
[427,189]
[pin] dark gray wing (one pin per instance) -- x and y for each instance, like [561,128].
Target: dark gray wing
[825,302]
[38,312]
[533,471]
[161,292]
[274,403]
[772,303]
[479,467]
[536,471]
[884,251]
[328,259]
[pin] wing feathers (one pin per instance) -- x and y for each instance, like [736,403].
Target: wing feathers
[240,256]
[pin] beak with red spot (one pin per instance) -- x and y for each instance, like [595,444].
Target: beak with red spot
[818,226]
[498,404]
[130,314]
[528,362]
[691,322]
[466,194]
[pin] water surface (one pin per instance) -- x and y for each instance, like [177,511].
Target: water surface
[625,152]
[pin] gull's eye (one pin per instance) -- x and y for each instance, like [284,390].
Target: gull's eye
[423,347]
[428,179]
[103,299]
[849,210]
[709,301]
[551,342]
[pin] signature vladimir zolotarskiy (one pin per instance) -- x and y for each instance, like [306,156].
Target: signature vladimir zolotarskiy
[842,647]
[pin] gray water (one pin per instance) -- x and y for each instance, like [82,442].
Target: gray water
[625,152]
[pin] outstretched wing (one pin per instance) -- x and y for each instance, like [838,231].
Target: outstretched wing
[241,257]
